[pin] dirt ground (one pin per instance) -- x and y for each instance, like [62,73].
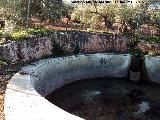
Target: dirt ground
[5,75]
[3,84]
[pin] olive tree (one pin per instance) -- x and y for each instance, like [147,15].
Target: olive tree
[19,11]
[95,13]
[132,15]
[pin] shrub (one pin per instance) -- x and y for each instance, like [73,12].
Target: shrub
[58,50]
[19,34]
[154,52]
[152,38]
[136,53]
[38,30]
[1,32]
[132,42]
[90,29]
[2,61]
[76,49]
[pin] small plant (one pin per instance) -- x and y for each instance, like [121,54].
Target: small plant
[38,30]
[90,29]
[132,42]
[3,61]
[1,32]
[153,53]
[76,49]
[105,32]
[153,38]
[136,53]
[58,50]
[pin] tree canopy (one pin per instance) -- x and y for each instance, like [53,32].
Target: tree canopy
[94,13]
[19,10]
[132,14]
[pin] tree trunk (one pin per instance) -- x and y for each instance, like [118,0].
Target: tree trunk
[108,24]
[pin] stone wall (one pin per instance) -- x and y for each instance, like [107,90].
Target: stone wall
[36,47]
[26,50]
[146,46]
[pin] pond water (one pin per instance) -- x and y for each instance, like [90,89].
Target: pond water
[109,99]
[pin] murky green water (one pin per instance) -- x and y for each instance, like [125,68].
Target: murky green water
[109,99]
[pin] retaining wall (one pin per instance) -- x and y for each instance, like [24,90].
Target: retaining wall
[36,47]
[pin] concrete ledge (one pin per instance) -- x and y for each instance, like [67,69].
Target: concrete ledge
[24,98]
[152,65]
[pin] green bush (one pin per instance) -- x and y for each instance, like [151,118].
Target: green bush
[38,31]
[152,38]
[136,53]
[2,61]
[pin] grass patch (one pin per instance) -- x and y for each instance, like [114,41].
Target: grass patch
[1,32]
[18,34]
[152,38]
[38,31]
[22,33]
[3,61]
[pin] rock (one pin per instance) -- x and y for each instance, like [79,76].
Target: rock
[7,77]
[23,73]
[11,70]
[142,108]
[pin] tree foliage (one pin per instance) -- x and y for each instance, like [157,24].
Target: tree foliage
[132,15]
[17,10]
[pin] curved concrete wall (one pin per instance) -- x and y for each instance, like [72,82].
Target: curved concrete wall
[60,71]
[152,65]
[23,98]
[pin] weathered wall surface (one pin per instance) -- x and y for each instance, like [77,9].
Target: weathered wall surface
[26,50]
[146,46]
[60,71]
[35,47]
[152,65]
